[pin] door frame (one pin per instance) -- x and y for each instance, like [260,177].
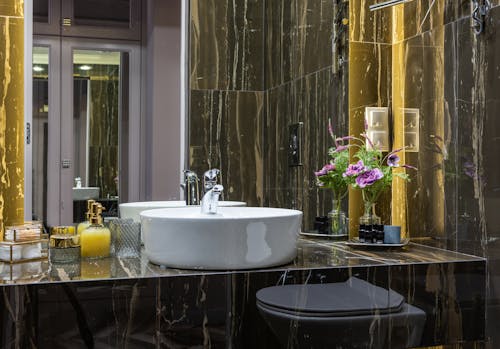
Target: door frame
[60,181]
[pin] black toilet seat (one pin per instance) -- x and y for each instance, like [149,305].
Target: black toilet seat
[354,297]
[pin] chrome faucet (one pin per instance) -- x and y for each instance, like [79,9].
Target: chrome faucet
[191,188]
[210,200]
[210,179]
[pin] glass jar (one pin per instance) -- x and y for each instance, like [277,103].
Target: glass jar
[338,220]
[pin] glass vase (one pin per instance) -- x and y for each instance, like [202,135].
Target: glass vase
[369,217]
[338,220]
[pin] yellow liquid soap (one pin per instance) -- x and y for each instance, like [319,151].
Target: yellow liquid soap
[95,242]
[82,226]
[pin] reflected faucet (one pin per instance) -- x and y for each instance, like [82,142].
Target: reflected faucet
[210,201]
[191,188]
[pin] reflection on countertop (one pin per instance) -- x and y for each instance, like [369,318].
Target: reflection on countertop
[311,254]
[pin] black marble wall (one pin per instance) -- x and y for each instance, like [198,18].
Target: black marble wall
[451,75]
[256,68]
[103,129]
[472,81]
[219,310]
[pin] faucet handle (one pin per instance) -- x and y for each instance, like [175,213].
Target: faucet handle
[190,176]
[210,178]
[190,186]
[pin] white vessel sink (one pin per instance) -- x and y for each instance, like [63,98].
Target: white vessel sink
[234,238]
[85,193]
[133,209]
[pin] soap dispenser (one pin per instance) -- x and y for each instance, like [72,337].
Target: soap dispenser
[84,225]
[95,240]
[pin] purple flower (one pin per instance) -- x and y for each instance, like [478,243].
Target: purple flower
[354,169]
[340,148]
[393,160]
[324,171]
[369,177]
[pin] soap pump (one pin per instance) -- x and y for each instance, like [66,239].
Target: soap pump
[95,240]
[84,225]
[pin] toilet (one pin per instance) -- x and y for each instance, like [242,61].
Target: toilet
[350,314]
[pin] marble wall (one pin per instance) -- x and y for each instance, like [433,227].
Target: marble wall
[471,101]
[11,112]
[252,76]
[219,310]
[438,65]
[104,134]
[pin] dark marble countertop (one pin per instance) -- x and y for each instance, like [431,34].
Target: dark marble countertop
[311,254]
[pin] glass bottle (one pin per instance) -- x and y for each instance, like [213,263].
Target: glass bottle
[369,217]
[338,220]
[95,241]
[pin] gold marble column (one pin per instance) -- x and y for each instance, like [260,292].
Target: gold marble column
[11,112]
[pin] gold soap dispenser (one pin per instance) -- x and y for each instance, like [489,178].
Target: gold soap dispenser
[84,225]
[95,240]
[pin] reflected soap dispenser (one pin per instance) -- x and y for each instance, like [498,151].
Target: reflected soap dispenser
[84,225]
[95,241]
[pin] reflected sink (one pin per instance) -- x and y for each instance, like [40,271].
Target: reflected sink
[85,193]
[133,209]
[234,238]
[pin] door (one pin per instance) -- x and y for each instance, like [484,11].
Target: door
[86,124]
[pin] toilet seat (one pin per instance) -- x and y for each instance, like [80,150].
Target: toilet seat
[350,314]
[354,297]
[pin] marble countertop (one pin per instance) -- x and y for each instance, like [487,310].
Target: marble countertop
[311,254]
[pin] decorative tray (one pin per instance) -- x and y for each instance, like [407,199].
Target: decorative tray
[356,243]
[314,234]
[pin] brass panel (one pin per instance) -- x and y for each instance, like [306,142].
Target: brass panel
[11,114]
[12,8]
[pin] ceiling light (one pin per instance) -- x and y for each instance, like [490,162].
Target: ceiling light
[37,68]
[85,67]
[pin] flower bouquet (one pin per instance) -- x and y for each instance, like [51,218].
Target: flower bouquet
[372,174]
[331,177]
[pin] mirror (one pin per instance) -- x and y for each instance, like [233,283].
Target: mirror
[97,107]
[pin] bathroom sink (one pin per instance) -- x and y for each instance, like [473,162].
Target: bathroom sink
[85,193]
[133,209]
[235,238]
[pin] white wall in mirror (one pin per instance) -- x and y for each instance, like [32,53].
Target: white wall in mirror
[157,142]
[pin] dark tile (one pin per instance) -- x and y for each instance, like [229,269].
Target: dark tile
[280,33]
[108,314]
[313,32]
[193,311]
[452,297]
[226,133]
[227,45]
